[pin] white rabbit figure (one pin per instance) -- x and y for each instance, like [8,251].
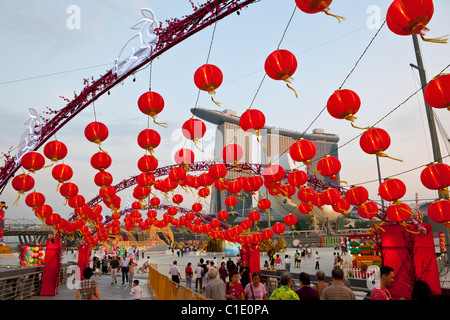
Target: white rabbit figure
[146,26]
[29,137]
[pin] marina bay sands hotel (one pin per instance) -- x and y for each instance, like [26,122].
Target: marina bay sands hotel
[277,142]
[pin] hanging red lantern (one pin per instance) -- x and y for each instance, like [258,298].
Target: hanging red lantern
[297,178]
[330,196]
[103,179]
[267,234]
[357,195]
[436,176]
[177,199]
[230,202]
[287,191]
[172,211]
[405,18]
[315,6]
[318,200]
[392,189]
[303,151]
[62,172]
[55,150]
[214,223]
[32,161]
[328,166]
[222,215]
[155,202]
[278,228]
[101,161]
[252,120]
[234,187]
[232,153]
[439,211]
[205,180]
[177,174]
[254,216]
[217,171]
[43,212]
[76,201]
[35,199]
[290,219]
[151,104]
[400,212]
[141,193]
[343,104]
[342,206]
[184,156]
[368,210]
[22,183]
[194,129]
[246,224]
[145,179]
[53,219]
[376,141]
[96,132]
[107,192]
[281,65]
[204,192]
[274,173]
[147,163]
[68,190]
[306,194]
[437,92]
[264,204]
[208,78]
[149,139]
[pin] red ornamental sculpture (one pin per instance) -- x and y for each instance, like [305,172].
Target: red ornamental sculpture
[96,132]
[439,211]
[55,150]
[437,92]
[184,157]
[303,151]
[376,141]
[392,189]
[32,161]
[232,153]
[411,17]
[344,104]
[151,104]
[281,65]
[101,161]
[149,139]
[147,163]
[315,6]
[208,78]
[436,176]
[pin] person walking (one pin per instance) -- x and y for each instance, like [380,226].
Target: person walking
[136,290]
[306,292]
[321,285]
[245,273]
[284,292]
[316,259]
[255,290]
[88,289]
[287,263]
[124,268]
[114,267]
[231,266]
[297,260]
[223,272]
[174,271]
[337,290]
[188,273]
[199,277]
[215,288]
[131,266]
[278,262]
[380,291]
[234,289]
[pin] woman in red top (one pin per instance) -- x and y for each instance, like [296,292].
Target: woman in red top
[189,273]
[234,290]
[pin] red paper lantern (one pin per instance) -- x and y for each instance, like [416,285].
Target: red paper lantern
[400,212]
[44,211]
[184,156]
[101,161]
[204,192]
[103,179]
[264,204]
[22,183]
[439,211]
[368,210]
[76,201]
[290,219]
[281,65]
[208,78]
[230,202]
[267,234]
[151,103]
[376,141]
[155,202]
[252,121]
[145,179]
[315,6]
[405,18]
[149,139]
[68,190]
[343,104]
[32,161]
[222,215]
[62,172]
[357,195]
[305,207]
[217,171]
[232,153]
[274,173]
[303,151]
[297,178]
[392,189]
[330,196]
[437,92]
[107,192]
[55,150]
[342,206]
[172,211]
[96,132]
[329,166]
[177,174]
[254,216]
[318,200]
[177,199]
[35,199]
[306,194]
[234,187]
[197,207]
[278,228]
[140,192]
[53,219]
[193,129]
[436,176]
[147,163]
[246,224]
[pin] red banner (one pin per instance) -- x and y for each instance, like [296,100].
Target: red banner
[52,267]
[412,256]
[250,253]
[84,255]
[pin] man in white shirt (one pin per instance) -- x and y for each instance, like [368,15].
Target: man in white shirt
[174,270]
[198,277]
[317,258]
[124,267]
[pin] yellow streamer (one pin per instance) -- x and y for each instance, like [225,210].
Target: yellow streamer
[217,103]
[296,95]
[443,40]
[383,155]
[162,124]
[361,128]
[335,16]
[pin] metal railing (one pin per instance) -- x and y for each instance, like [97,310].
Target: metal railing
[22,284]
